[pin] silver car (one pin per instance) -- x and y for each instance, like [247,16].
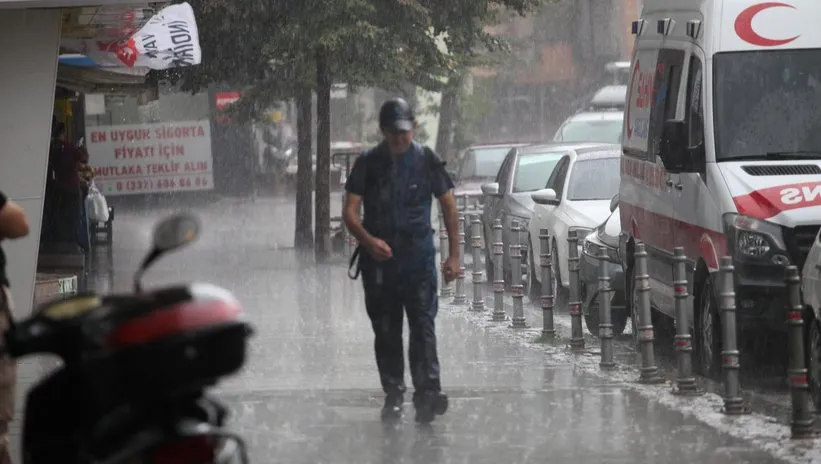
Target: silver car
[524,170]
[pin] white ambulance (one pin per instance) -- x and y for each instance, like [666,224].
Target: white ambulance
[722,155]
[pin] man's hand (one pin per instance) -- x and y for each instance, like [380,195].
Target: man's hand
[450,268]
[379,250]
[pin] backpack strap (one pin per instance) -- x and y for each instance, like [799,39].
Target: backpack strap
[353,265]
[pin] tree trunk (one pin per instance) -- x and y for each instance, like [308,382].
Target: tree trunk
[322,233]
[303,235]
[447,112]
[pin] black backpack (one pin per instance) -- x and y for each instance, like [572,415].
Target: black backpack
[371,173]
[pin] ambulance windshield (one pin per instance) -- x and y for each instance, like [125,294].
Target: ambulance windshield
[768,103]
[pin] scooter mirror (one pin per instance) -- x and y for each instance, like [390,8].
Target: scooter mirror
[175,231]
[171,233]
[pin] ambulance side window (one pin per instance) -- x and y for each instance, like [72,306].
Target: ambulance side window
[666,93]
[695,108]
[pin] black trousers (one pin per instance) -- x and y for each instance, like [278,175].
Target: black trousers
[390,293]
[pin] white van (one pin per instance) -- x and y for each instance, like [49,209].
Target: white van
[722,155]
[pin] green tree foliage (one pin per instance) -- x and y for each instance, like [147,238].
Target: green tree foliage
[280,49]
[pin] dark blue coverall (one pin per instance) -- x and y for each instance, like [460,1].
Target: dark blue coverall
[397,196]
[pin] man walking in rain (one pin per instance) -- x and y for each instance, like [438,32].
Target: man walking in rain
[395,181]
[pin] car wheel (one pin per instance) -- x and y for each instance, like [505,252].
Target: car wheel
[489,262]
[814,362]
[559,293]
[592,319]
[708,331]
[533,287]
[591,316]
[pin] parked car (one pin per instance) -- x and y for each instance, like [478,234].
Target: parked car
[606,237]
[608,98]
[337,175]
[524,170]
[592,126]
[577,197]
[619,72]
[478,165]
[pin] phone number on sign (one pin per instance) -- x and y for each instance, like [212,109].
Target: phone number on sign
[168,183]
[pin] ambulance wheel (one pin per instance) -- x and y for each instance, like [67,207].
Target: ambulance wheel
[814,361]
[707,344]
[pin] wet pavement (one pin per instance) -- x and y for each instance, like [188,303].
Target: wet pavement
[310,393]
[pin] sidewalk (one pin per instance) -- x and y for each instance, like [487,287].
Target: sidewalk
[310,394]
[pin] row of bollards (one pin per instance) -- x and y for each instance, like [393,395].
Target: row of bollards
[685,381]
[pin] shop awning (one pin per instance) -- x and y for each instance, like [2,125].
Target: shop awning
[111,49]
[96,80]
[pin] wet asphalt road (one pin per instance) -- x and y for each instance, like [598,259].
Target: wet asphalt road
[310,393]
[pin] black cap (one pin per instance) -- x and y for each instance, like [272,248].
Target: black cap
[396,114]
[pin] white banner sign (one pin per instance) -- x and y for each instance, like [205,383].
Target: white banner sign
[170,39]
[150,158]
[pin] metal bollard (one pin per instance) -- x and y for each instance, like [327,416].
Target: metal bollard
[464,247]
[446,288]
[685,381]
[803,421]
[519,321]
[575,305]
[499,313]
[546,300]
[733,402]
[605,314]
[476,243]
[460,298]
[649,370]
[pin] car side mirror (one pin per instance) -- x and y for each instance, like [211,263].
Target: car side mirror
[675,154]
[614,202]
[545,197]
[491,189]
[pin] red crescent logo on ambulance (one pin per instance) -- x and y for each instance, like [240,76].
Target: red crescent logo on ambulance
[744,25]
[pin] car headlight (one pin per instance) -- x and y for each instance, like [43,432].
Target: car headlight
[590,249]
[754,238]
[594,250]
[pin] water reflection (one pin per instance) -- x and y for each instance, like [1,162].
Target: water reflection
[428,444]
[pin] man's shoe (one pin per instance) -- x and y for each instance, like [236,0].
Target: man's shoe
[429,405]
[440,404]
[392,409]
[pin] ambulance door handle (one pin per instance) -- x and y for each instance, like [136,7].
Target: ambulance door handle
[679,187]
[669,182]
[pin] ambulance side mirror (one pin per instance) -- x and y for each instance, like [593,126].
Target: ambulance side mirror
[674,151]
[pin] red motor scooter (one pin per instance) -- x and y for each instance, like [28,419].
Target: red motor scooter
[132,387]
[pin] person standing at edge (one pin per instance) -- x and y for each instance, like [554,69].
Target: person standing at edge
[395,182]
[13,224]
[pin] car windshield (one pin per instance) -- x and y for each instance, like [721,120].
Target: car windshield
[533,170]
[768,104]
[481,163]
[595,179]
[599,131]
